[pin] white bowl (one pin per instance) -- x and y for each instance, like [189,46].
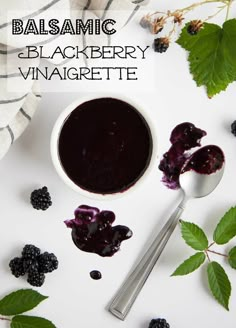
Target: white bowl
[54,146]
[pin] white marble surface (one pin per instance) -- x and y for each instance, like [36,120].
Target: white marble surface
[75,300]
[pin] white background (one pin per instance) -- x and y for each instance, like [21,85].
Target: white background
[75,300]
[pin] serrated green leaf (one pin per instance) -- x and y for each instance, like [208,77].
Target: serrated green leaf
[194,236]
[190,265]
[232,258]
[20,301]
[226,228]
[219,283]
[25,321]
[212,55]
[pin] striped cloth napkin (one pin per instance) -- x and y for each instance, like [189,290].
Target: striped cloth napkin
[18,108]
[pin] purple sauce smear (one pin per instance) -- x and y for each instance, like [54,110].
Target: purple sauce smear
[184,137]
[206,160]
[92,231]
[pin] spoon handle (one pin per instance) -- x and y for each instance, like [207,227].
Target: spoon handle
[128,292]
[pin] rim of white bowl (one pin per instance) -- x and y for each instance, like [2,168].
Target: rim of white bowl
[55,155]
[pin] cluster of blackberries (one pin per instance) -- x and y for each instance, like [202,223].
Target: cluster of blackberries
[158,323]
[41,199]
[34,264]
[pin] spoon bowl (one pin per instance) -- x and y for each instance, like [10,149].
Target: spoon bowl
[197,185]
[200,179]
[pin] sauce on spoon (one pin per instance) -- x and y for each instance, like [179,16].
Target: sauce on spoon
[206,160]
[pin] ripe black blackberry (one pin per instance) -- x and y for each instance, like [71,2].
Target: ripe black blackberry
[161,44]
[36,279]
[30,265]
[233,128]
[41,199]
[194,27]
[47,262]
[34,264]
[16,266]
[158,323]
[30,252]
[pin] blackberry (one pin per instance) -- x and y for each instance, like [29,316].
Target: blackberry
[158,323]
[47,262]
[30,265]
[233,128]
[30,252]
[41,199]
[16,266]
[161,44]
[36,279]
[194,27]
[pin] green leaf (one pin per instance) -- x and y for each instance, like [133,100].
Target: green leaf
[232,258]
[212,55]
[226,228]
[25,321]
[219,283]
[190,265]
[20,301]
[194,236]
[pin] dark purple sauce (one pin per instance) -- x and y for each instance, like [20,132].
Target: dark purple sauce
[206,160]
[184,137]
[92,231]
[105,145]
[95,274]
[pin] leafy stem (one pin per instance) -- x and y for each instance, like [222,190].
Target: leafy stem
[195,237]
[211,47]
[16,303]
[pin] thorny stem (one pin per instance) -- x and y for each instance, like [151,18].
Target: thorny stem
[172,31]
[225,255]
[157,12]
[168,14]
[215,14]
[3,318]
[191,7]
[198,4]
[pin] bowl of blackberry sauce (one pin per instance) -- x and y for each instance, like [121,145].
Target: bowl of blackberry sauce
[103,147]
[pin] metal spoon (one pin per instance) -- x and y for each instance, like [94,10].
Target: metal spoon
[193,185]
